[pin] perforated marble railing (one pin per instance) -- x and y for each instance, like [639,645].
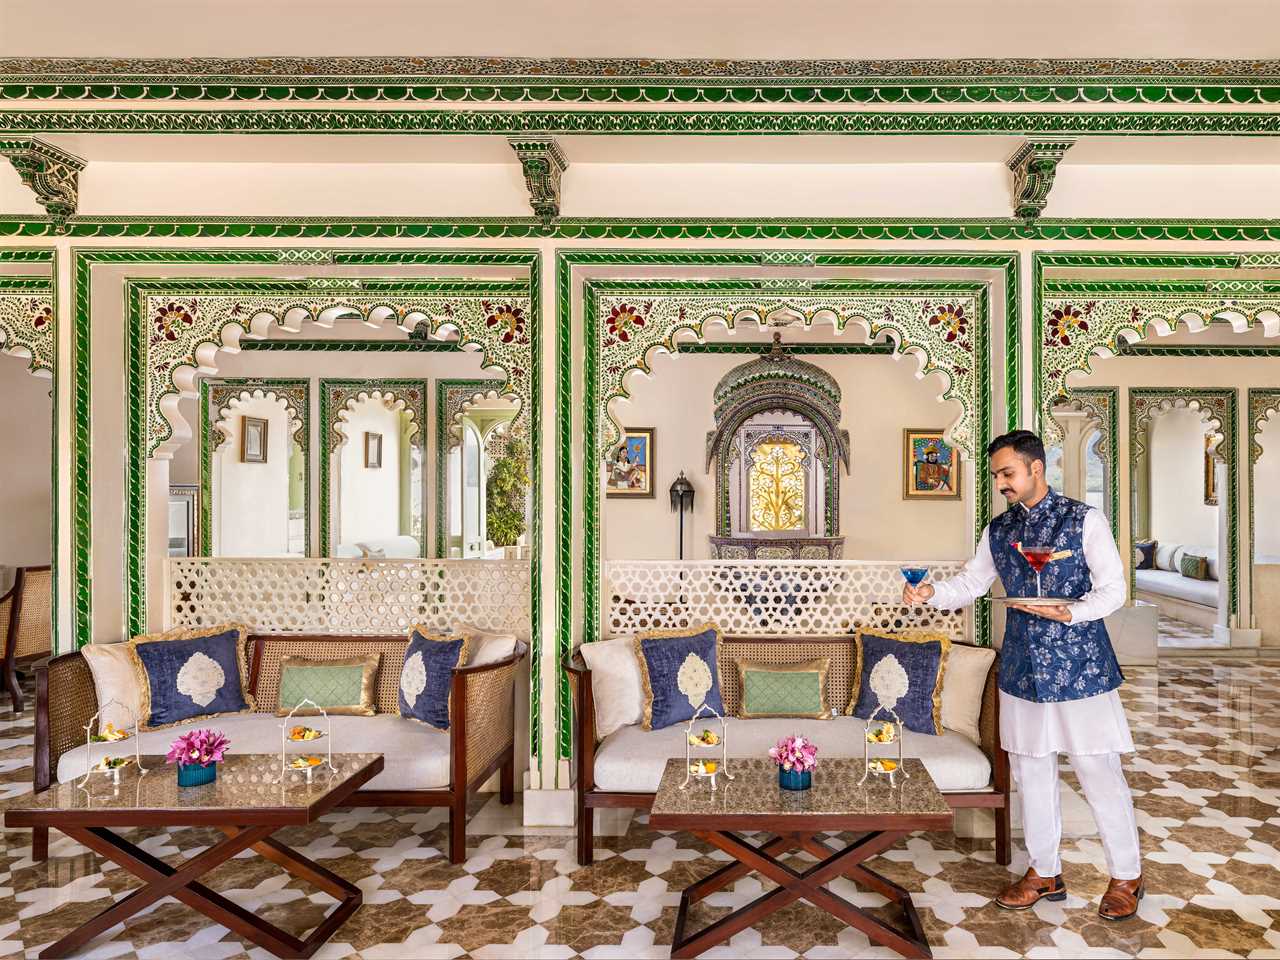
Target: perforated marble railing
[348,596]
[761,598]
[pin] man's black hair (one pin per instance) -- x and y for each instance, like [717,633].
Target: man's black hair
[1025,444]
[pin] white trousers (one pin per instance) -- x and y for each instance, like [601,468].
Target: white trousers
[1102,779]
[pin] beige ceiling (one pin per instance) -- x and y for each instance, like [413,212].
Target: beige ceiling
[762,29]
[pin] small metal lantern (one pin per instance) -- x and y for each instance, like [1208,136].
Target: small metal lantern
[681,500]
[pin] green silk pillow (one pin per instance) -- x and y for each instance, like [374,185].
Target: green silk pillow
[341,687]
[793,690]
[1193,567]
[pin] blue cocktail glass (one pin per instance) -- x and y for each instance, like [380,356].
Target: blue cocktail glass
[915,575]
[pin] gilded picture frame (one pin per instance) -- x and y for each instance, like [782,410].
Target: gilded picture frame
[930,466]
[631,467]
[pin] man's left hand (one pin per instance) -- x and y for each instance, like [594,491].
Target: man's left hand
[1058,611]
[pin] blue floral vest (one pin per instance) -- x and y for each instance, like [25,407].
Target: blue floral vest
[1042,660]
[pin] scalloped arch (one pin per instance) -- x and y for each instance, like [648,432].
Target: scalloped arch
[28,330]
[340,416]
[224,410]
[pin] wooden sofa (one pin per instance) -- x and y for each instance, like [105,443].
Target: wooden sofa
[480,740]
[26,624]
[994,795]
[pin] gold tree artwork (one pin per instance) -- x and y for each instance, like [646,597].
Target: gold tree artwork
[777,486]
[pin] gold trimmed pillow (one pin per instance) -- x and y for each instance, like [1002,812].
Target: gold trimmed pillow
[186,674]
[426,679]
[674,666]
[784,690]
[341,687]
[912,665]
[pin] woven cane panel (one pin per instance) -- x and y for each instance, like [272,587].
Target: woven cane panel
[35,624]
[770,598]
[349,597]
[386,683]
[489,716]
[782,653]
[72,704]
[6,611]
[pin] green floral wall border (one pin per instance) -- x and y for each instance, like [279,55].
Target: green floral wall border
[214,395]
[26,288]
[643,80]
[1220,403]
[80,468]
[335,394]
[449,393]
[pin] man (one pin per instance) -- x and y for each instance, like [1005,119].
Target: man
[1058,674]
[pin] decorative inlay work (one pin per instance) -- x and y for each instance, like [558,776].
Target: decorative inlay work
[1103,405]
[27,322]
[52,173]
[1075,328]
[942,331]
[543,163]
[451,396]
[293,393]
[1034,165]
[1263,402]
[183,331]
[355,597]
[594,80]
[1220,406]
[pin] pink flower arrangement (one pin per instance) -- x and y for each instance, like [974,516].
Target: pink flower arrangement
[198,748]
[795,753]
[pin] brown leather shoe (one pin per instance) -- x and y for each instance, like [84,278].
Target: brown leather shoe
[1120,902]
[1030,890]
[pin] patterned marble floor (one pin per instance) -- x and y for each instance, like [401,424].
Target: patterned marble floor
[1206,782]
[1178,633]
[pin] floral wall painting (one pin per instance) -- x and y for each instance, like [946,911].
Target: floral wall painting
[253,440]
[373,451]
[930,466]
[631,466]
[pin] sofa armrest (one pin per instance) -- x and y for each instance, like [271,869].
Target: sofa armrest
[482,717]
[584,721]
[989,729]
[61,718]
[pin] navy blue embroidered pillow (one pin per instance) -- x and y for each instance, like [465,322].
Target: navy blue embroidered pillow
[922,658]
[425,679]
[184,674]
[673,664]
[1144,552]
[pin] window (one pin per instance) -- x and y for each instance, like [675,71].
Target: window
[777,481]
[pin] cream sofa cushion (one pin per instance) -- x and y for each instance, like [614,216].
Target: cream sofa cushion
[487,646]
[415,756]
[616,686]
[962,685]
[115,678]
[631,760]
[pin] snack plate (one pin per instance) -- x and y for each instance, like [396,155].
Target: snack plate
[1035,601]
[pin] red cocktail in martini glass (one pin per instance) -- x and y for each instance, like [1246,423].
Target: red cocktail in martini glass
[1038,558]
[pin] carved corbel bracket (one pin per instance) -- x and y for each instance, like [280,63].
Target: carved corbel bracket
[51,172]
[1034,165]
[543,162]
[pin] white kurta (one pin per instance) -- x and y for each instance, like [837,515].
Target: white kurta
[1093,725]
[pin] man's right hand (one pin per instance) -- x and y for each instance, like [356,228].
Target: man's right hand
[916,596]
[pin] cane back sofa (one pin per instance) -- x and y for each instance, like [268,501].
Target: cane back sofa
[26,624]
[424,767]
[623,770]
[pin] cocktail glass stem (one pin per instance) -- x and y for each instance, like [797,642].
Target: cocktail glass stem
[1037,583]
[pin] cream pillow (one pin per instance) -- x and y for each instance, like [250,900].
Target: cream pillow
[616,686]
[962,687]
[487,646]
[115,677]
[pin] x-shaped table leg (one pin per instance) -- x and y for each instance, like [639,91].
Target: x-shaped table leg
[161,880]
[794,886]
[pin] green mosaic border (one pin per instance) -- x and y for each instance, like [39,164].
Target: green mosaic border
[442,440]
[594,81]
[328,427]
[207,422]
[341,346]
[489,122]
[795,349]
[49,285]
[1258,400]
[1231,432]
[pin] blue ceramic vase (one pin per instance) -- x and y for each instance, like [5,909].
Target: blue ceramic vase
[795,779]
[195,775]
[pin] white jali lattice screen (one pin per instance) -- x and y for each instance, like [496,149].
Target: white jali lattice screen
[761,598]
[353,597]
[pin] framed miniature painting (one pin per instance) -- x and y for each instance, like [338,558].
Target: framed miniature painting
[631,467]
[930,466]
[253,440]
[373,450]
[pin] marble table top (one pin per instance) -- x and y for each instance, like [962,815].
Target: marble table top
[836,801]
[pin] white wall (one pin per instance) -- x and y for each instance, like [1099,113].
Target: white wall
[1266,492]
[367,498]
[1178,510]
[880,397]
[26,442]
[251,500]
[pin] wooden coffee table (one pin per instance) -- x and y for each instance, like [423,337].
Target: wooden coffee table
[793,821]
[248,802]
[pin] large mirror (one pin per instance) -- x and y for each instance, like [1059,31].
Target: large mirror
[483,473]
